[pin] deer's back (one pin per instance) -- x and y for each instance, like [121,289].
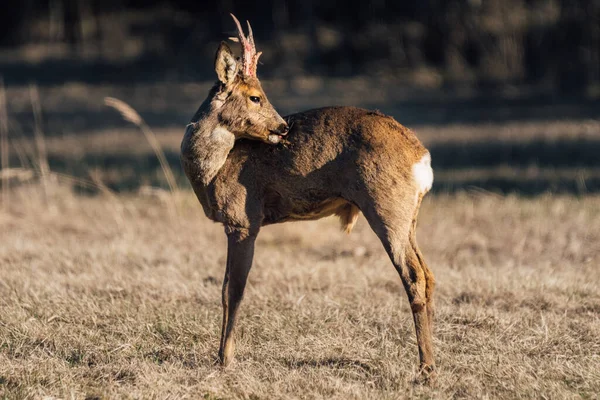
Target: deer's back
[331,156]
[337,139]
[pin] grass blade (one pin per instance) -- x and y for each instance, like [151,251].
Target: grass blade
[129,114]
[4,164]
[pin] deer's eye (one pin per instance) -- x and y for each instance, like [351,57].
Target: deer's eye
[255,99]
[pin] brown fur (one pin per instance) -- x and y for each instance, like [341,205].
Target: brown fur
[334,161]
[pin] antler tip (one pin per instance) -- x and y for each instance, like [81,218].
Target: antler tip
[249,55]
[237,21]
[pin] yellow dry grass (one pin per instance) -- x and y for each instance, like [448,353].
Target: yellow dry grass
[116,297]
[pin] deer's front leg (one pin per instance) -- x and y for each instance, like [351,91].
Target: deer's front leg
[240,251]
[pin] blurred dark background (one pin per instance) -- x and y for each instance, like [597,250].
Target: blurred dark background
[551,45]
[505,93]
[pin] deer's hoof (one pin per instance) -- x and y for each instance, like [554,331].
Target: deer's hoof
[226,354]
[427,375]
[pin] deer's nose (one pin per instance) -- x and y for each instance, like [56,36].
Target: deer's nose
[282,129]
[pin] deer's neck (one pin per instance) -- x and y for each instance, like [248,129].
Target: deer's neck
[206,144]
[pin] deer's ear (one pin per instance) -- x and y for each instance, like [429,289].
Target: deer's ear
[226,65]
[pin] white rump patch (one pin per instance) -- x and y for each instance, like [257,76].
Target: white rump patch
[423,174]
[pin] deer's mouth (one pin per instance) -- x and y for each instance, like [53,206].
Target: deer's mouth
[274,138]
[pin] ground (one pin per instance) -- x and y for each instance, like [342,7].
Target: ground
[119,297]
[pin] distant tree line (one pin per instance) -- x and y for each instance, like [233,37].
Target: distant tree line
[551,43]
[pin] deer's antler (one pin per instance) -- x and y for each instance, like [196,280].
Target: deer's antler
[249,54]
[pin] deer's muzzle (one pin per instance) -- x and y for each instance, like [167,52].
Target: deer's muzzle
[281,130]
[277,134]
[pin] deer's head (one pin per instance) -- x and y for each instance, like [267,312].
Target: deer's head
[241,103]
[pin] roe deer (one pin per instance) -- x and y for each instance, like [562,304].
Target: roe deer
[333,161]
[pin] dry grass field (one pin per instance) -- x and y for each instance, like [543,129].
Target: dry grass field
[111,289]
[119,297]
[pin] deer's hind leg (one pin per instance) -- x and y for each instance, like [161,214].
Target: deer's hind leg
[429,278]
[395,228]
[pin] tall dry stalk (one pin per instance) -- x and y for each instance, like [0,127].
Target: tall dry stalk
[129,114]
[3,141]
[40,142]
